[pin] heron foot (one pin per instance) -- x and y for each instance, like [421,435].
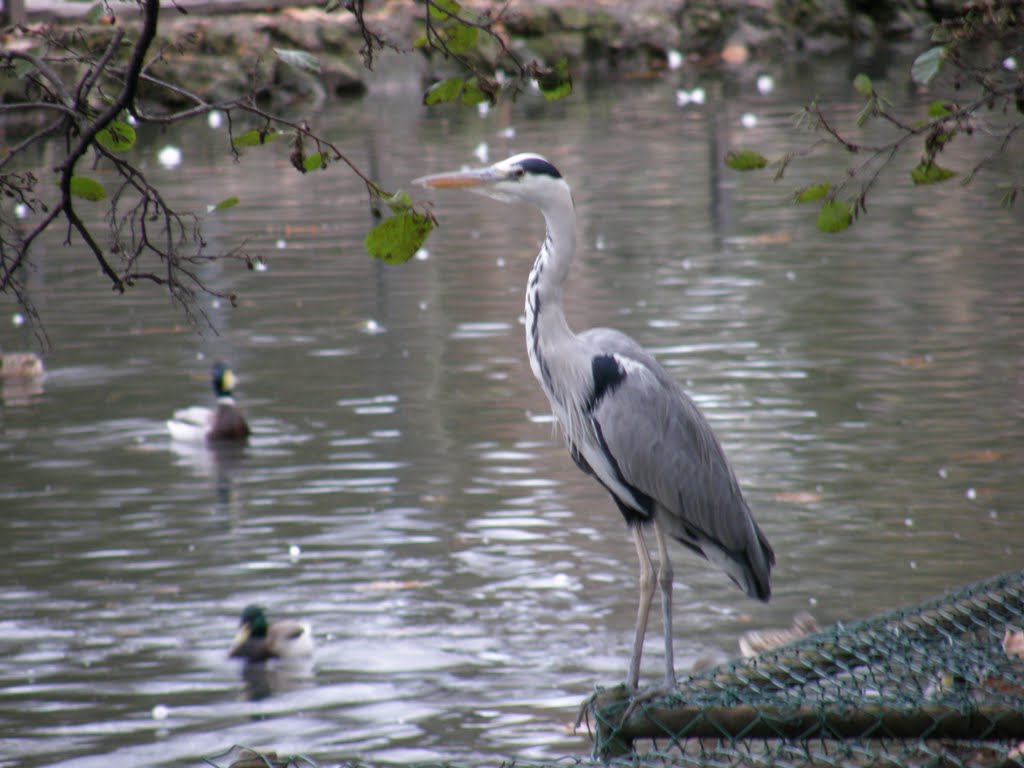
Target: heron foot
[649,694]
[599,703]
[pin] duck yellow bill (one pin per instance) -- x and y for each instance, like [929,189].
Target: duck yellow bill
[240,639]
[458,179]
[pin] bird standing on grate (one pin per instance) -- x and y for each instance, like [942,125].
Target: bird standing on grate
[625,420]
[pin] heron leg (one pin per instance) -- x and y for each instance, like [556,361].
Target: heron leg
[647,584]
[665,582]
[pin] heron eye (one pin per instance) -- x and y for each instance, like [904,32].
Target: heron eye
[518,173]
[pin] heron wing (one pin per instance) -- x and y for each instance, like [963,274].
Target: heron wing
[660,444]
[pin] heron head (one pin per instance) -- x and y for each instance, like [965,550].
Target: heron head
[526,177]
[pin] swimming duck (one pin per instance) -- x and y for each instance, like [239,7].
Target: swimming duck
[224,423]
[258,640]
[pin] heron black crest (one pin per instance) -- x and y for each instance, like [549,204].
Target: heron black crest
[538,166]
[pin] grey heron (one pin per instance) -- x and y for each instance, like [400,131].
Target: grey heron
[626,422]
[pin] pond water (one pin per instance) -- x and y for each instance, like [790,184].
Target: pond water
[404,491]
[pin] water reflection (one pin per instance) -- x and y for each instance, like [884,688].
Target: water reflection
[403,489]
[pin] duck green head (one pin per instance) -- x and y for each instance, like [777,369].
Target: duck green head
[253,622]
[223,380]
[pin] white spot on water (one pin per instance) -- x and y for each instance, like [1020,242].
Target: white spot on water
[748,120]
[161,711]
[765,84]
[169,157]
[215,119]
[675,59]
[684,97]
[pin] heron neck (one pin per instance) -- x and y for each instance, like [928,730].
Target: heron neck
[546,326]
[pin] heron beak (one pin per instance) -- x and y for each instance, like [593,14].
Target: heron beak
[468,179]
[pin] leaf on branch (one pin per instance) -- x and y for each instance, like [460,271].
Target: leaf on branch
[227,202]
[555,83]
[927,65]
[862,85]
[443,92]
[255,138]
[745,160]
[834,216]
[930,173]
[473,94]
[460,38]
[812,193]
[116,137]
[298,58]
[939,108]
[314,162]
[396,240]
[87,188]
[399,202]
[442,10]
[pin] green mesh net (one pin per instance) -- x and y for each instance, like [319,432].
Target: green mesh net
[940,684]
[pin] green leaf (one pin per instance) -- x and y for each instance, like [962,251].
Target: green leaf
[227,202]
[396,240]
[255,138]
[442,10]
[862,85]
[556,83]
[399,202]
[420,42]
[314,162]
[930,173]
[834,216]
[813,192]
[938,108]
[460,38]
[472,94]
[298,58]
[116,137]
[927,65]
[443,92]
[745,160]
[87,189]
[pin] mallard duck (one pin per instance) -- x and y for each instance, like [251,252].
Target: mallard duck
[20,365]
[760,640]
[258,640]
[223,423]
